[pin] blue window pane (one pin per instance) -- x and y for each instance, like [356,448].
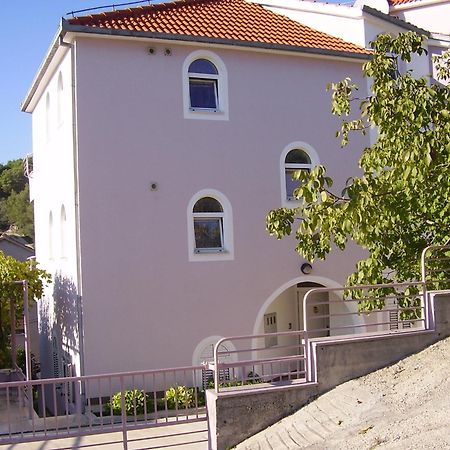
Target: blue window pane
[203,93]
[208,233]
[203,66]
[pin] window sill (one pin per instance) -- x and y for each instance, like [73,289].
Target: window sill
[205,114]
[210,255]
[209,251]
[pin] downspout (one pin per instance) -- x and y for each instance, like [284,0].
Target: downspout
[71,48]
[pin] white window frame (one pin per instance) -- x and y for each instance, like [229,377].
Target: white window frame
[225,253]
[313,156]
[221,111]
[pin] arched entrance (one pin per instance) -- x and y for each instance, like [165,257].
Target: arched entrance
[327,314]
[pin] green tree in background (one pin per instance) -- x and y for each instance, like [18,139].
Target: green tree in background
[11,271]
[401,202]
[16,211]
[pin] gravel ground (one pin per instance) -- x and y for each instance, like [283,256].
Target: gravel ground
[404,406]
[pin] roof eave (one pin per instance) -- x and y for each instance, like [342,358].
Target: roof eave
[210,40]
[43,67]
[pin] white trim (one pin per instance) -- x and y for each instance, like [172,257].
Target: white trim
[313,155]
[221,113]
[228,242]
[326,282]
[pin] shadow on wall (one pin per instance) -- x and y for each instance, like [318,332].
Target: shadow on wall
[66,318]
[59,329]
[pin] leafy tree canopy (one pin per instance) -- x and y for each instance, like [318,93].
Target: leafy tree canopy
[16,211]
[401,202]
[12,271]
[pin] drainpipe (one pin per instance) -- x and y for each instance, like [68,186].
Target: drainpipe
[72,49]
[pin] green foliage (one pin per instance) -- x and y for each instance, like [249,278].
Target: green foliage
[21,362]
[401,202]
[180,397]
[12,271]
[135,401]
[16,211]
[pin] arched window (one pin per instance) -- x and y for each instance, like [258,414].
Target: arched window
[203,82]
[63,231]
[296,159]
[59,99]
[205,87]
[50,235]
[210,230]
[208,225]
[296,156]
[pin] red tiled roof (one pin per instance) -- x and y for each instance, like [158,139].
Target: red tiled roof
[236,20]
[400,2]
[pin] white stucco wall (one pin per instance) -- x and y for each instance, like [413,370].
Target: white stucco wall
[431,17]
[53,188]
[145,304]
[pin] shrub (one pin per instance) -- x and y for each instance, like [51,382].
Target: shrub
[135,401]
[180,397]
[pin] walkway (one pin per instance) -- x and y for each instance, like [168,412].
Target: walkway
[189,436]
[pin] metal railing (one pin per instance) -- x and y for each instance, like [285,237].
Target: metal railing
[376,309]
[252,361]
[78,406]
[436,267]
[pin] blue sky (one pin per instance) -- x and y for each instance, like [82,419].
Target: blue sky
[25,36]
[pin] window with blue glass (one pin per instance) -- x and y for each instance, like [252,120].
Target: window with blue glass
[203,85]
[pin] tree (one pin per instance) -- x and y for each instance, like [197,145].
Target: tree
[401,202]
[11,293]
[16,211]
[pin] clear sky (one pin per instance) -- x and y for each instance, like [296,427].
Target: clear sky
[25,35]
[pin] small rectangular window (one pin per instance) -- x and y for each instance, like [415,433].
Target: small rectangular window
[203,93]
[208,233]
[291,185]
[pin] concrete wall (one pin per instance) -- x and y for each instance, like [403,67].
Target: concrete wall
[233,417]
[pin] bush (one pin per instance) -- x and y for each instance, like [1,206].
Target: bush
[180,397]
[135,402]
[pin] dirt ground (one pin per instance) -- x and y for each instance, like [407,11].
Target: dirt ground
[404,406]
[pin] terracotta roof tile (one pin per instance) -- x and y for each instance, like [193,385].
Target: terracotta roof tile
[236,20]
[400,2]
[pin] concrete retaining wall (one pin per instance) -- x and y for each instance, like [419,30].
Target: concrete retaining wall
[235,416]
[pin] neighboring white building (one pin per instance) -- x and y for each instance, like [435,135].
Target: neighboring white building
[162,136]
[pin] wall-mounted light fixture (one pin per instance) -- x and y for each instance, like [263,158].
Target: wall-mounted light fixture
[306,268]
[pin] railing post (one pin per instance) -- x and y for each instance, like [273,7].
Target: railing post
[27,330]
[124,415]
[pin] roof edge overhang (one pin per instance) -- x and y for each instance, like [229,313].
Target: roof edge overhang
[209,40]
[42,68]
[65,27]
[398,22]
[415,4]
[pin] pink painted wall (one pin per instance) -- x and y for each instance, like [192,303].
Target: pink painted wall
[145,305]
